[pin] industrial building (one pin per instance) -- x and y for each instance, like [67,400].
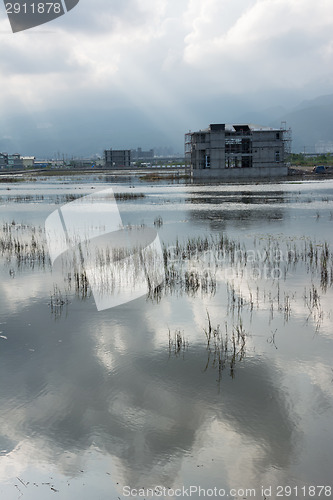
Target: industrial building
[10,161]
[139,154]
[238,151]
[117,158]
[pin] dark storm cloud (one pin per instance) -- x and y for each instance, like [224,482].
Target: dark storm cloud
[178,65]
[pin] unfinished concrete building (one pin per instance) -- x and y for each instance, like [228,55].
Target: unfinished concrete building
[237,151]
[117,158]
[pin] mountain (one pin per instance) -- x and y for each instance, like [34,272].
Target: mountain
[87,130]
[263,117]
[323,100]
[83,132]
[310,122]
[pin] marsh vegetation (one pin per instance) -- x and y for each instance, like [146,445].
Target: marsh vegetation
[254,277]
[226,360]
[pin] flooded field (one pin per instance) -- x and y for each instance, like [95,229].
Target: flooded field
[216,382]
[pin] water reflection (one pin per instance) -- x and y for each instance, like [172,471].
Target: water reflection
[134,403]
[77,383]
[220,208]
[247,197]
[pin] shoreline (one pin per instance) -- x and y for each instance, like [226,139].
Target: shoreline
[160,174]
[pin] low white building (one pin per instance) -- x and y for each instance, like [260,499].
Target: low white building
[28,161]
[237,151]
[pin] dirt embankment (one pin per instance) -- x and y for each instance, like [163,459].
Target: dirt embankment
[307,172]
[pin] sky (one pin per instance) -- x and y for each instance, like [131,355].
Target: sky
[132,73]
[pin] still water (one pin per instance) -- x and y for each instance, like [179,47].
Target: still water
[222,380]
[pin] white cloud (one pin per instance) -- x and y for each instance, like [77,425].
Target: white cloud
[216,35]
[272,42]
[166,59]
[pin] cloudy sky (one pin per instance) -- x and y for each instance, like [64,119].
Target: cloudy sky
[129,73]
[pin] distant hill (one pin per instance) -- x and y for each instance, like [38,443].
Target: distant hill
[83,132]
[311,121]
[262,117]
[323,100]
[88,130]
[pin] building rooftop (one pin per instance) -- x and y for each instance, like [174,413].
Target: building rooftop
[248,126]
[252,127]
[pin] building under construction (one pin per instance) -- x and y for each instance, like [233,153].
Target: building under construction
[238,151]
[117,158]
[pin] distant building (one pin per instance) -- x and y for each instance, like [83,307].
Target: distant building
[15,161]
[139,154]
[237,151]
[10,161]
[117,158]
[3,161]
[82,163]
[28,161]
[41,163]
